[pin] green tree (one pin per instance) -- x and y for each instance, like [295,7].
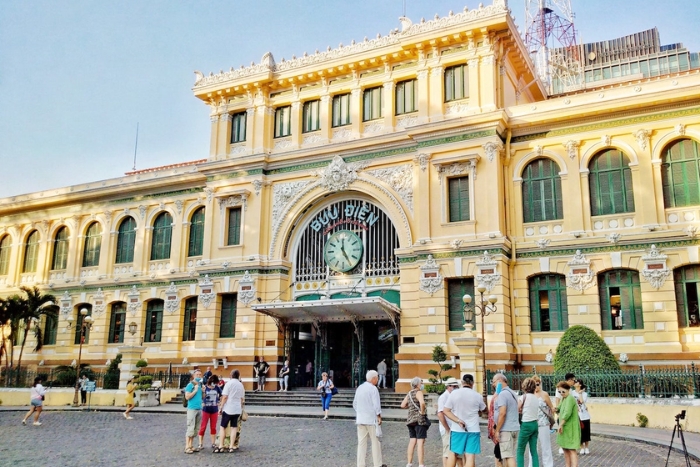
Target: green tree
[13,310]
[582,350]
[34,307]
[439,356]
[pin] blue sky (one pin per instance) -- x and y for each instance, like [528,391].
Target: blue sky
[77,76]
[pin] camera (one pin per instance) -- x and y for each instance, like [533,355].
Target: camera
[681,416]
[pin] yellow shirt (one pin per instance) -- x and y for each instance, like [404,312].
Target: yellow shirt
[130,388]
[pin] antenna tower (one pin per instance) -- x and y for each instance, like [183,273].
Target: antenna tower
[551,41]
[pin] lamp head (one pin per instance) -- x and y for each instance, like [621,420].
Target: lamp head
[132,328]
[481,288]
[467,299]
[468,315]
[84,311]
[493,299]
[70,320]
[88,320]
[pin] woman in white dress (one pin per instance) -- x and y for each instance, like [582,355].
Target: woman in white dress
[543,438]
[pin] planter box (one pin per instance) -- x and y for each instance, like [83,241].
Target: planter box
[147,398]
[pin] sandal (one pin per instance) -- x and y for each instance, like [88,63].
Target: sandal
[230,450]
[198,448]
[188,451]
[218,450]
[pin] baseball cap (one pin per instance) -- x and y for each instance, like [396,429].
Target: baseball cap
[452,382]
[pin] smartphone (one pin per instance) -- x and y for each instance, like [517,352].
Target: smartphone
[499,386]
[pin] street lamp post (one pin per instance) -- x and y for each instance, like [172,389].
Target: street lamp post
[85,326]
[483,308]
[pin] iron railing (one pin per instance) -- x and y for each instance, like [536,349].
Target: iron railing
[51,377]
[672,382]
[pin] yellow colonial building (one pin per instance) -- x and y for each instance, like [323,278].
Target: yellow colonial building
[352,196]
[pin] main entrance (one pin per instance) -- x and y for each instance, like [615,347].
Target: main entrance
[339,350]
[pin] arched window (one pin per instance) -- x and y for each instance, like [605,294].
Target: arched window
[5,248]
[154,321]
[60,249]
[117,323]
[610,183]
[79,323]
[542,200]
[687,283]
[31,252]
[620,300]
[548,306]
[93,242]
[189,328]
[126,239]
[50,329]
[162,234]
[196,241]
[680,173]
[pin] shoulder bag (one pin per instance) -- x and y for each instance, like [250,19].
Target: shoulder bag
[423,420]
[550,417]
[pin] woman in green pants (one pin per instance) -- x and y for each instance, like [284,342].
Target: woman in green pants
[569,437]
[528,406]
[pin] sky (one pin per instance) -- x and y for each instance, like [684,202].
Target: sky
[76,77]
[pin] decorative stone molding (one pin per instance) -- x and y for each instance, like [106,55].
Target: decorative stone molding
[312,139]
[172,301]
[246,289]
[283,143]
[487,274]
[206,291]
[539,150]
[680,129]
[66,303]
[142,212]
[642,137]
[405,121]
[493,149]
[234,200]
[373,127]
[431,281]
[572,148]
[210,194]
[341,134]
[613,237]
[691,231]
[606,140]
[178,206]
[455,169]
[134,301]
[456,243]
[108,218]
[237,149]
[655,270]
[454,108]
[98,302]
[257,186]
[338,175]
[400,178]
[542,243]
[282,193]
[422,160]
[580,276]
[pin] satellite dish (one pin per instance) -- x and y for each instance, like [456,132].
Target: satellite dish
[591,56]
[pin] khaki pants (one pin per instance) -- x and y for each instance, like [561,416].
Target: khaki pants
[365,432]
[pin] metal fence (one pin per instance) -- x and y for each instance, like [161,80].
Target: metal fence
[675,382]
[56,378]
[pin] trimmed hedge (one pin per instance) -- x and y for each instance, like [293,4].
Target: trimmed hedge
[582,350]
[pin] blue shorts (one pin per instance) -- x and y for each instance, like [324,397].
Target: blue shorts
[465,443]
[37,402]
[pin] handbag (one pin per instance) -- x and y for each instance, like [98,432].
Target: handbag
[244,416]
[550,417]
[423,420]
[334,391]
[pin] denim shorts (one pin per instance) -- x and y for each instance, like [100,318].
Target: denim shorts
[37,402]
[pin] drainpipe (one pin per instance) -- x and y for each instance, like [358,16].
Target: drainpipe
[508,184]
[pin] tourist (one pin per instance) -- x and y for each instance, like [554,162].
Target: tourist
[416,421]
[570,379]
[284,376]
[231,408]
[381,371]
[492,424]
[569,433]
[546,410]
[368,417]
[581,398]
[83,391]
[207,374]
[36,399]
[326,387]
[445,423]
[308,373]
[129,401]
[506,419]
[463,407]
[261,368]
[529,407]
[193,394]
[210,410]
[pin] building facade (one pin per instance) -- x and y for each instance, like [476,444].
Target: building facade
[353,196]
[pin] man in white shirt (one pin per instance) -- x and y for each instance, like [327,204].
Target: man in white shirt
[463,407]
[368,411]
[230,408]
[446,424]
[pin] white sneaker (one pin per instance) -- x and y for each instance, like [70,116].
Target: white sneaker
[37,424]
[561,451]
[583,451]
[587,451]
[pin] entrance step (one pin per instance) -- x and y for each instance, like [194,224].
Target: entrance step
[311,398]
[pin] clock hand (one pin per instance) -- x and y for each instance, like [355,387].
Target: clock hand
[342,249]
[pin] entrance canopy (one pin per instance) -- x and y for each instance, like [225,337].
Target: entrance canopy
[331,311]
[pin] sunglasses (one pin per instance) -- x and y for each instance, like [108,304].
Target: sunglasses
[537,384]
[563,391]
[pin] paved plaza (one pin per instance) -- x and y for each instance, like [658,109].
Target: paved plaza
[157,439]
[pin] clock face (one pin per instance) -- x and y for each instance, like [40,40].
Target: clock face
[343,251]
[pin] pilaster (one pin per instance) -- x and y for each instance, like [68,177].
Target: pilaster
[224,135]
[436,92]
[325,116]
[474,85]
[296,124]
[214,137]
[356,111]
[389,104]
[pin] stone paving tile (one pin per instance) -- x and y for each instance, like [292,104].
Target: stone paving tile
[106,439]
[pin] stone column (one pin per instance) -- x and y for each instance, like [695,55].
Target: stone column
[130,355]
[356,112]
[388,112]
[325,115]
[470,360]
[214,136]
[296,124]
[424,97]
[224,135]
[436,92]
[474,85]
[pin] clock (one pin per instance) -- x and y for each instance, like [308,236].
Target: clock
[343,251]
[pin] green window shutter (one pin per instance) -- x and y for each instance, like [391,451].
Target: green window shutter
[552,315]
[626,284]
[93,241]
[126,239]
[31,252]
[60,250]
[341,110]
[456,83]
[680,174]
[196,241]
[283,119]
[629,193]
[458,194]
[5,249]
[456,288]
[686,281]
[542,198]
[117,323]
[610,183]
[535,304]
[233,236]
[310,116]
[189,328]
[238,127]
[162,236]
[50,329]
[154,321]
[372,104]
[227,326]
